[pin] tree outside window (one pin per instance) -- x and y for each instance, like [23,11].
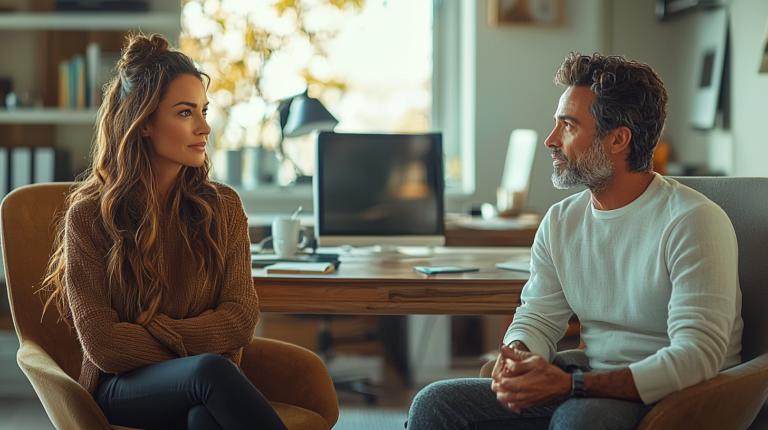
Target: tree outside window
[368,61]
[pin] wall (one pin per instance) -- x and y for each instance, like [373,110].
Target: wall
[515,68]
[514,86]
[669,47]
[749,89]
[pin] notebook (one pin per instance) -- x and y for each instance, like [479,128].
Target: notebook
[300,268]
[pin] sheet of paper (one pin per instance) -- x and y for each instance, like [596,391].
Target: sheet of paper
[520,266]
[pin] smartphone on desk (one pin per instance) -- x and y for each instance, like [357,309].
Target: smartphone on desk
[432,270]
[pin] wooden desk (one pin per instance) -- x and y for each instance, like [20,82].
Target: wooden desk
[363,285]
[456,236]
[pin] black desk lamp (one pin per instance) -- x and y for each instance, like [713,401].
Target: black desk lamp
[299,116]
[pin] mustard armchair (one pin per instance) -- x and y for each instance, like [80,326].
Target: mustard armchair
[732,399]
[50,354]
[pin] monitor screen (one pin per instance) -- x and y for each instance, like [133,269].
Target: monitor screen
[375,189]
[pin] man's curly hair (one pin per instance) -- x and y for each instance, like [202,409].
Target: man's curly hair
[627,93]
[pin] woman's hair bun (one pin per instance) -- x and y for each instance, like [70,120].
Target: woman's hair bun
[148,62]
[140,50]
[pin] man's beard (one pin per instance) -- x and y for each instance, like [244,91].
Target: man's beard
[593,169]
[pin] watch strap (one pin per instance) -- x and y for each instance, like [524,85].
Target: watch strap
[577,384]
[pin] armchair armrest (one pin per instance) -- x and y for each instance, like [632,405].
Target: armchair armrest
[68,404]
[730,400]
[291,374]
[487,370]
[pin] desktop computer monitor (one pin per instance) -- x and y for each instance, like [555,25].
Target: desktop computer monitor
[379,190]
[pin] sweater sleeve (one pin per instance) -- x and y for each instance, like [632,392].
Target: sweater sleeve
[702,258]
[542,318]
[112,345]
[233,323]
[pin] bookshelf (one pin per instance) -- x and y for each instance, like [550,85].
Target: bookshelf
[48,115]
[38,40]
[33,41]
[88,21]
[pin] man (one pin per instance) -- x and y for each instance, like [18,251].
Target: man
[648,265]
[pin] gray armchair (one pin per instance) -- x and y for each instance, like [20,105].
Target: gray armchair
[733,398]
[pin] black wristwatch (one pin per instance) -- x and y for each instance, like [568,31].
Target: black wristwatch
[513,343]
[577,384]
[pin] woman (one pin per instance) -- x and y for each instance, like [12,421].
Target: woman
[152,262]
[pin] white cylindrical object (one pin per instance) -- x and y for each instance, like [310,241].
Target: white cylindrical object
[285,236]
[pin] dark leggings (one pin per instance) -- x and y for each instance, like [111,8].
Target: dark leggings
[201,392]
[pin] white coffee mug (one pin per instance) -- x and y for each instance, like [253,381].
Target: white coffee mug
[285,236]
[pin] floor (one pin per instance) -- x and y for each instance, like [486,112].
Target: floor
[28,414]
[390,412]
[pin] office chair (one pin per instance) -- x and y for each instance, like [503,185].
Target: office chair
[732,399]
[326,346]
[293,379]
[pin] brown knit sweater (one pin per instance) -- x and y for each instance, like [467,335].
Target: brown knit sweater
[116,346]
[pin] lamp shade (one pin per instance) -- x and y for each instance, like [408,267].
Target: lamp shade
[305,115]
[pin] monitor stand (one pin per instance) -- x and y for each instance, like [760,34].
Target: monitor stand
[389,252]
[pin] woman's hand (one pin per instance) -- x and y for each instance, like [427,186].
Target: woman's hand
[140,318]
[208,312]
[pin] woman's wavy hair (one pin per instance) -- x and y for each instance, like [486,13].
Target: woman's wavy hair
[122,182]
[627,93]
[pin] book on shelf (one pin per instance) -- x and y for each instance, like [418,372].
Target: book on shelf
[4,174]
[50,165]
[20,167]
[80,79]
[64,84]
[77,82]
[92,60]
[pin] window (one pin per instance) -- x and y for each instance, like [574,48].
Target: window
[369,62]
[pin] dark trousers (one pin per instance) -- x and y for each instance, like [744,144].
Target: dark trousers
[201,392]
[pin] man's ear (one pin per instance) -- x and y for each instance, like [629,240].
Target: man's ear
[618,140]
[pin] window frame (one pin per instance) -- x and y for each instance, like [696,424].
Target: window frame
[453,109]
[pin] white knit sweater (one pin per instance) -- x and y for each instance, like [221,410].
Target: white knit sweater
[654,283]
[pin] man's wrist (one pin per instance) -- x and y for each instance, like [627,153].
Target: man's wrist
[518,344]
[616,384]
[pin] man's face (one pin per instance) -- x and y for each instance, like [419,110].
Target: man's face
[579,157]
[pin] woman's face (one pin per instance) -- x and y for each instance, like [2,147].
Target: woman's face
[177,130]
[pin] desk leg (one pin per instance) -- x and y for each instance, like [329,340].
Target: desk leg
[393,334]
[429,347]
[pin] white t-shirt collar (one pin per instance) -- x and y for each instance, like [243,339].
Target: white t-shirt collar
[615,213]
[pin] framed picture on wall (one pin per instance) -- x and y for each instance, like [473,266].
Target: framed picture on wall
[526,12]
[709,56]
